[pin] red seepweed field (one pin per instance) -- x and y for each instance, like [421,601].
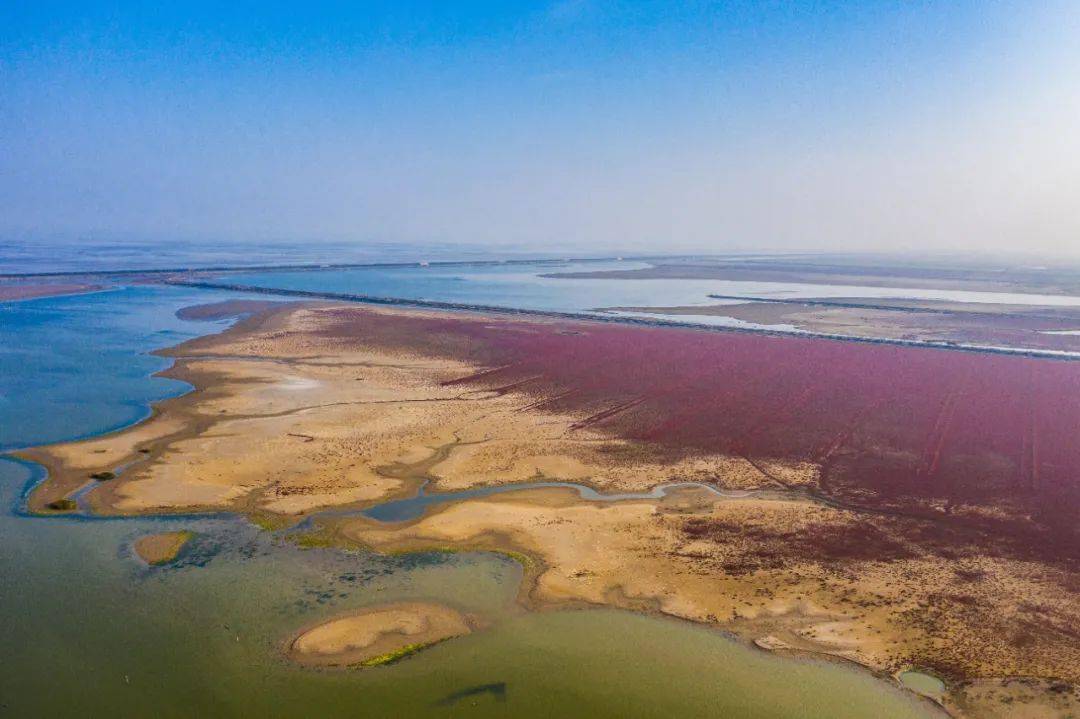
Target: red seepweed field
[986,441]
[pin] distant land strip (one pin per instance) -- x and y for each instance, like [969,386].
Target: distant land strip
[313,266]
[909,309]
[618,319]
[844,305]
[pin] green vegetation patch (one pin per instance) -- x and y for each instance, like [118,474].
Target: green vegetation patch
[325,540]
[62,505]
[313,541]
[267,522]
[397,655]
[103,476]
[521,558]
[425,550]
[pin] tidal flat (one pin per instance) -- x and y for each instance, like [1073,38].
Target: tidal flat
[312,388]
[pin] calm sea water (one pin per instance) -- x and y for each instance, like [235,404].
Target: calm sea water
[24,256]
[87,630]
[80,365]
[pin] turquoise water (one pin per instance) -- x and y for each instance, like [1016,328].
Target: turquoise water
[86,629]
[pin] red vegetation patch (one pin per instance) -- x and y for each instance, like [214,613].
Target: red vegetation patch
[896,429]
[760,547]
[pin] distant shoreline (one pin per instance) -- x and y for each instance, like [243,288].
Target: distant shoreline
[599,316]
[20,292]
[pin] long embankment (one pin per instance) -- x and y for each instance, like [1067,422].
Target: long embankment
[616,319]
[906,308]
[834,303]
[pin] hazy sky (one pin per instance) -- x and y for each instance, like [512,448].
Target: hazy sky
[581,124]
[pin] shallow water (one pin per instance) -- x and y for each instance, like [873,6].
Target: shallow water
[401,510]
[99,633]
[81,364]
[86,629]
[524,286]
[920,683]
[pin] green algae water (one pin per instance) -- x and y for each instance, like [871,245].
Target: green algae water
[87,629]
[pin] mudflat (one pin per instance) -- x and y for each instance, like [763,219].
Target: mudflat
[852,535]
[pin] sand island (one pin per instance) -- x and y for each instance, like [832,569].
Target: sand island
[376,636]
[823,506]
[157,549]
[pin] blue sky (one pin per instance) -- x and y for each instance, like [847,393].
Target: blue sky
[575,124]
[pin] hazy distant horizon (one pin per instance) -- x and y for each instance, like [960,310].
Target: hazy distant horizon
[93,255]
[575,126]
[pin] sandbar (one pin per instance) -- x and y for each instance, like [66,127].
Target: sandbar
[156,549]
[376,636]
[25,290]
